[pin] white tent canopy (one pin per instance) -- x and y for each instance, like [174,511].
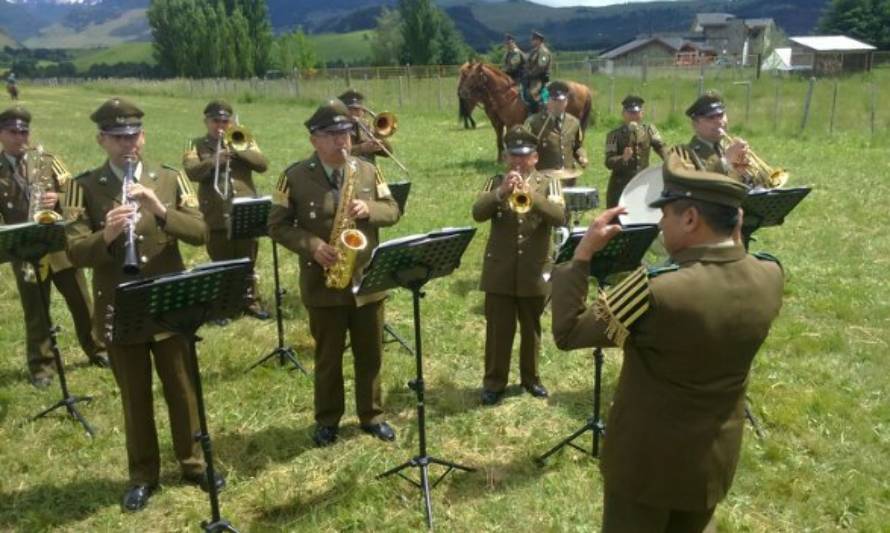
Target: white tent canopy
[778,61]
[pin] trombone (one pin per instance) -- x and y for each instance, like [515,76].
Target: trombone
[385,125]
[236,138]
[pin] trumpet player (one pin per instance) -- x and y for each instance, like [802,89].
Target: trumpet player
[223,167]
[316,201]
[162,210]
[523,206]
[21,198]
[709,149]
[364,143]
[560,143]
[629,146]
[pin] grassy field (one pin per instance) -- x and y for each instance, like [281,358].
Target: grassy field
[819,383]
[121,53]
[351,48]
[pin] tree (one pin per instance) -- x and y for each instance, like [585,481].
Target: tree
[387,43]
[429,35]
[452,48]
[294,50]
[868,20]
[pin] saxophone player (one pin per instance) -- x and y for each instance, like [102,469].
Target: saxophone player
[15,191]
[313,199]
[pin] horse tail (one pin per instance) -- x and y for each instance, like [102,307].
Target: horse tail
[584,119]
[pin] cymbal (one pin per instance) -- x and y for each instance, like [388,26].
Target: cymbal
[563,173]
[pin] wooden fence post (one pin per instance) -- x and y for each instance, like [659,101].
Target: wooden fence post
[439,88]
[611,94]
[776,107]
[806,105]
[872,107]
[400,92]
[833,108]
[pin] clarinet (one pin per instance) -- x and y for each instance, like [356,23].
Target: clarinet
[131,260]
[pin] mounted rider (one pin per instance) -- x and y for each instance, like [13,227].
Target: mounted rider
[537,73]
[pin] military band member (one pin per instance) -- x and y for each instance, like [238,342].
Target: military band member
[167,213]
[709,148]
[537,71]
[15,206]
[560,139]
[628,147]
[306,202]
[199,163]
[514,59]
[517,257]
[363,144]
[689,337]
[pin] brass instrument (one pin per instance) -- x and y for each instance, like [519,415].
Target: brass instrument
[40,182]
[348,240]
[389,129]
[236,138]
[758,173]
[520,200]
[131,259]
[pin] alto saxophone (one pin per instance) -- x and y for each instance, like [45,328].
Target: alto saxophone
[344,236]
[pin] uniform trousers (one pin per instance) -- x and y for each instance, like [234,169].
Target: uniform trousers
[329,326]
[221,248]
[72,284]
[131,364]
[614,190]
[501,314]
[622,515]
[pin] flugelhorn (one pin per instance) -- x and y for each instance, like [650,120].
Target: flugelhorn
[520,200]
[755,171]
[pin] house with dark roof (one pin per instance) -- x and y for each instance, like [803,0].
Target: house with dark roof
[733,36]
[661,51]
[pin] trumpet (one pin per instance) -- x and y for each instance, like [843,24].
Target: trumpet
[755,171]
[520,200]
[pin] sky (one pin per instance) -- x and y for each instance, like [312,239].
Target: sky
[586,3]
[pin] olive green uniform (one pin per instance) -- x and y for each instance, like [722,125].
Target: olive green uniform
[514,63]
[707,156]
[89,198]
[675,427]
[517,257]
[301,220]
[561,141]
[69,281]
[538,70]
[198,163]
[643,139]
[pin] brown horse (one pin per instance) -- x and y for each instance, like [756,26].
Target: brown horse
[13,91]
[499,96]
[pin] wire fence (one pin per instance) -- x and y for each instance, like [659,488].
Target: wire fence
[780,102]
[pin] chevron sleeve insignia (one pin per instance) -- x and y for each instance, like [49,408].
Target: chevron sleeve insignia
[622,305]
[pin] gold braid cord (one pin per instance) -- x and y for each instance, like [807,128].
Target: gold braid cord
[72,205]
[622,305]
[279,197]
[187,194]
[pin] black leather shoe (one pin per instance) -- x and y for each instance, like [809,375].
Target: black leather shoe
[258,313]
[325,436]
[382,431]
[100,359]
[41,382]
[538,390]
[490,397]
[136,497]
[201,480]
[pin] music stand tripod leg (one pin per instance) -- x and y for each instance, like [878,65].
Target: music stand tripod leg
[283,352]
[395,337]
[68,401]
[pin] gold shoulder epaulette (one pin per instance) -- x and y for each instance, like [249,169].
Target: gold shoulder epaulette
[623,304]
[554,191]
[72,203]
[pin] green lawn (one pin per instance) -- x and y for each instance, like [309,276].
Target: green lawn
[121,53]
[819,383]
[350,47]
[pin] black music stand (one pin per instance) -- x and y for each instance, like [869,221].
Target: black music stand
[28,243]
[399,191]
[182,302]
[411,262]
[762,209]
[621,254]
[765,208]
[248,221]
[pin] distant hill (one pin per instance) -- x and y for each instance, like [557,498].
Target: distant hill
[6,40]
[47,23]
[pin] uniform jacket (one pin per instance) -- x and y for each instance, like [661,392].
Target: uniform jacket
[198,163]
[518,250]
[538,63]
[675,427]
[514,63]
[302,218]
[647,139]
[705,157]
[561,142]
[92,194]
[15,205]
